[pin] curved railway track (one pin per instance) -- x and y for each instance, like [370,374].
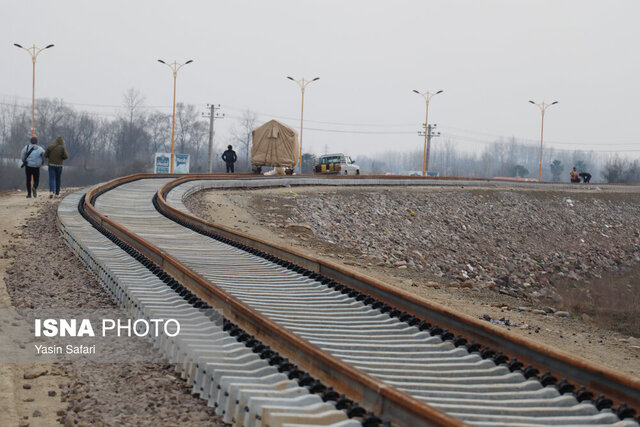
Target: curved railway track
[274,337]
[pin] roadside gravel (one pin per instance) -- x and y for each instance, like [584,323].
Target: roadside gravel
[559,267]
[45,274]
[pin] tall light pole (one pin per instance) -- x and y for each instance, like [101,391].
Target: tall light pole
[427,97]
[33,52]
[303,84]
[175,66]
[543,106]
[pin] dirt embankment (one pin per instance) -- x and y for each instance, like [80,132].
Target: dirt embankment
[40,272]
[560,267]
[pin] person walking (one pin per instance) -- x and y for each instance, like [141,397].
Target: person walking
[32,156]
[229,158]
[56,153]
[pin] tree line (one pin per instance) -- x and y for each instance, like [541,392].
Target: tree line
[105,147]
[506,158]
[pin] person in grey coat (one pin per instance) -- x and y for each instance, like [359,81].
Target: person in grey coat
[32,156]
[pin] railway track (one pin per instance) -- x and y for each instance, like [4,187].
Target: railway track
[276,338]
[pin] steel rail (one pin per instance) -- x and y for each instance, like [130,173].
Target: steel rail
[384,400]
[620,388]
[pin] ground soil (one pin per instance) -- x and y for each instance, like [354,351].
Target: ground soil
[265,214]
[148,393]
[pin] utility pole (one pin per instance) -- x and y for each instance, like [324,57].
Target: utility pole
[212,113]
[429,134]
[427,97]
[543,107]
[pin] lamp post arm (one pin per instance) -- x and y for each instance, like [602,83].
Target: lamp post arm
[38,52]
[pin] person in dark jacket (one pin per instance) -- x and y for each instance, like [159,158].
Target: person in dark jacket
[586,177]
[229,158]
[32,157]
[56,153]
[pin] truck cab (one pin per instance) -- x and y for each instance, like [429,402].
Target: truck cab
[337,163]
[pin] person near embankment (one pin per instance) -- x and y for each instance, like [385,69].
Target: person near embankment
[229,158]
[586,177]
[32,156]
[56,154]
[574,175]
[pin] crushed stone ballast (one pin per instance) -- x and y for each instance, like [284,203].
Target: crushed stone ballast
[468,381]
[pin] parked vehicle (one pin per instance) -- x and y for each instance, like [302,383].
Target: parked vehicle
[275,144]
[337,164]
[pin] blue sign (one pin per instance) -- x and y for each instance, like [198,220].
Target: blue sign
[181,163]
[162,163]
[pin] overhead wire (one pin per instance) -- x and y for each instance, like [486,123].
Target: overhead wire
[493,137]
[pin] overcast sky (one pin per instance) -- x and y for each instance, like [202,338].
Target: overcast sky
[489,57]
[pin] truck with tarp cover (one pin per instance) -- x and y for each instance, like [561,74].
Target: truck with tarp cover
[275,144]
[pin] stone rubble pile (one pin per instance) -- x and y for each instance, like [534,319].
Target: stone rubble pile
[518,242]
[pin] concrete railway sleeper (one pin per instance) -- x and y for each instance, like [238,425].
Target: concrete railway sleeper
[563,386]
[468,381]
[287,396]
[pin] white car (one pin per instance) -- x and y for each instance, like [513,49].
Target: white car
[337,163]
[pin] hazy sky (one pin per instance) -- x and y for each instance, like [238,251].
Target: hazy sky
[489,57]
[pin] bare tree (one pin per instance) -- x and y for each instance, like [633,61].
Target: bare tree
[556,169]
[159,129]
[614,170]
[241,134]
[186,117]
[132,141]
[133,102]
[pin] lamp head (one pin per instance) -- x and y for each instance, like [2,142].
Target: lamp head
[532,102]
[317,78]
[290,78]
[416,92]
[49,46]
[440,91]
[161,61]
[554,102]
[188,62]
[17,45]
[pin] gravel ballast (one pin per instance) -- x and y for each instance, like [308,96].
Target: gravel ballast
[148,393]
[560,266]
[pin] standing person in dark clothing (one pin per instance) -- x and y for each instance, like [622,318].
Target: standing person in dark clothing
[32,158]
[56,153]
[229,158]
[586,177]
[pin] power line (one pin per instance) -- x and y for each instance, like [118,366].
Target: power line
[495,137]
[537,141]
[387,125]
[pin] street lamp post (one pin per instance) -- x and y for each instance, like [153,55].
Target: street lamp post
[175,66]
[303,84]
[425,160]
[543,106]
[33,52]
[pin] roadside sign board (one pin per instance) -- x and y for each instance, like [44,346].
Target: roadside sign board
[162,163]
[181,164]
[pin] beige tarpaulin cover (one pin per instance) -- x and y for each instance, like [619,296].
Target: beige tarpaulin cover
[275,144]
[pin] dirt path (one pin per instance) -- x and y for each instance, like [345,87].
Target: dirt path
[20,405]
[135,388]
[256,212]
